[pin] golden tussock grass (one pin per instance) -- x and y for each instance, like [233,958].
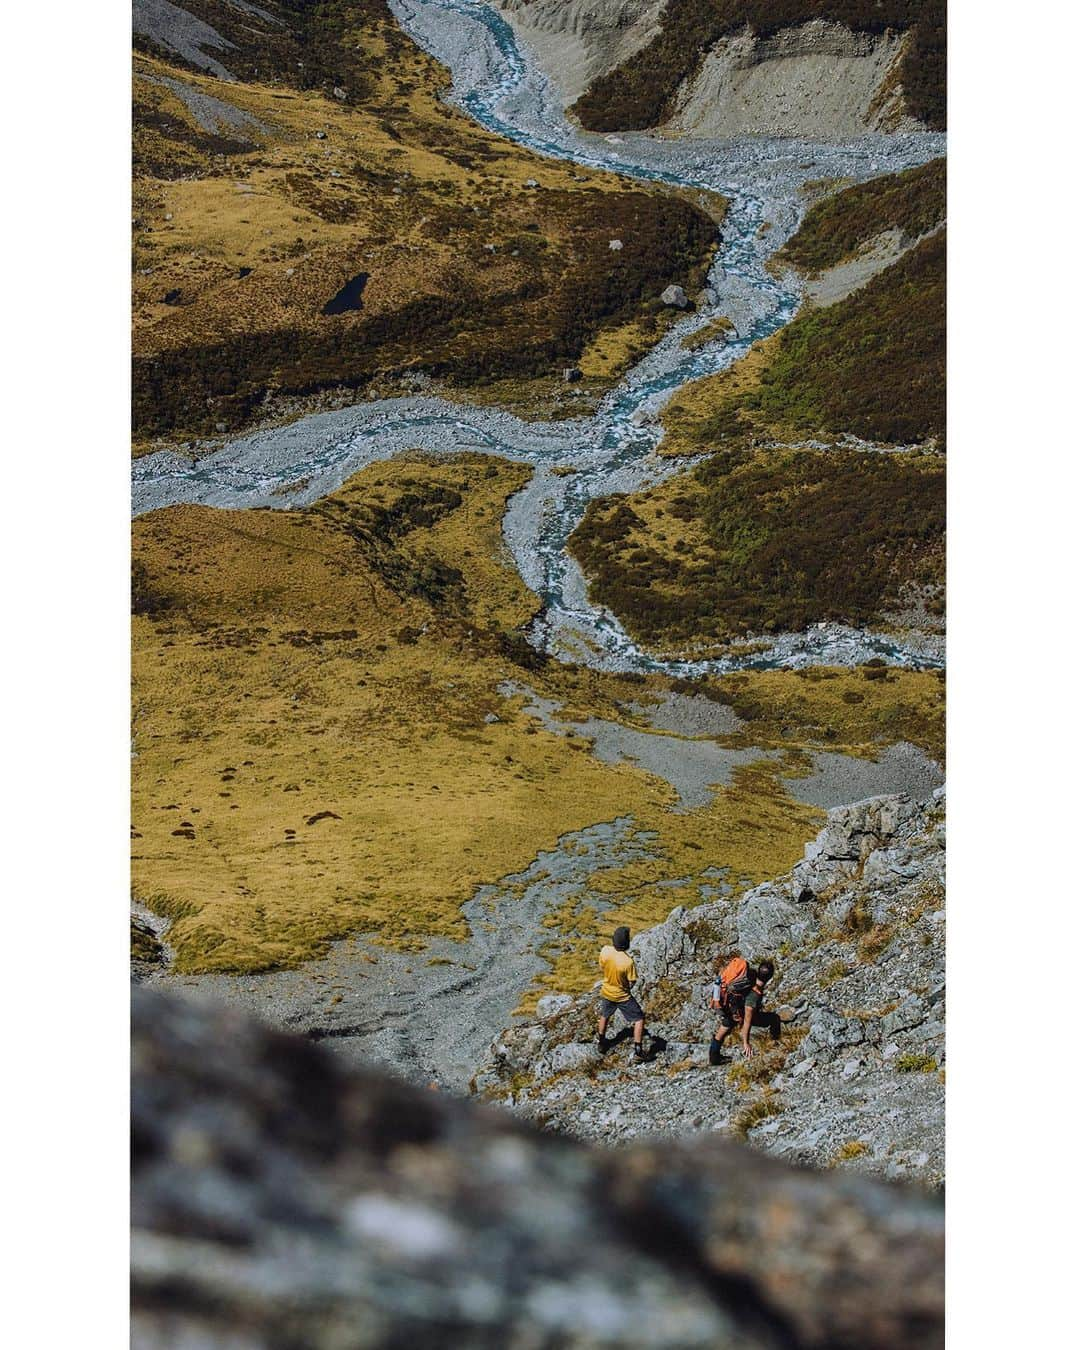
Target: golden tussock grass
[316,752]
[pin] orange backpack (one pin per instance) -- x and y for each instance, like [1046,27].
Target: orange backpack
[733,979]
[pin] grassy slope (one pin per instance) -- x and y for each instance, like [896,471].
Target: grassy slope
[345,659]
[761,538]
[767,541]
[249,244]
[835,228]
[872,365]
[640,93]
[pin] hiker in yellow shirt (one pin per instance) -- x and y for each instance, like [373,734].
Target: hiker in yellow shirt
[619,972]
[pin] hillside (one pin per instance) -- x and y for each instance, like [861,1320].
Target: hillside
[336,731]
[719,67]
[767,541]
[774,531]
[840,226]
[855,1081]
[399,764]
[312,221]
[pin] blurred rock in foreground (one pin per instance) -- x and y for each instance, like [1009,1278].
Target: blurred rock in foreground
[281,1201]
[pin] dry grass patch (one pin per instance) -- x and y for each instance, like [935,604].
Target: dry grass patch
[848,1152]
[913,1063]
[744,1120]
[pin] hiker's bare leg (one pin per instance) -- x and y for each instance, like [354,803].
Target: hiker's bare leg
[601,1027]
[639,1030]
[720,1035]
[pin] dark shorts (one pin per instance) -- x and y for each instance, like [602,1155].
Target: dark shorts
[629,1007]
[732,1016]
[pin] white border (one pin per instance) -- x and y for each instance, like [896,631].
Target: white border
[1013,527]
[65,485]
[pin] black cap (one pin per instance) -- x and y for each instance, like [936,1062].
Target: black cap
[620,939]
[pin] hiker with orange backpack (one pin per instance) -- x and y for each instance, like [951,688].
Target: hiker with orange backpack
[738,994]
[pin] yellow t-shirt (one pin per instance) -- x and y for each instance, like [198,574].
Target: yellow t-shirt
[619,973]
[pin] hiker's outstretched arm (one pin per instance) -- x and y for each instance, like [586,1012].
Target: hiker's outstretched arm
[753,1003]
[747,1022]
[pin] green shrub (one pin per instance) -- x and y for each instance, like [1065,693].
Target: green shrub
[873,364]
[916,1064]
[832,230]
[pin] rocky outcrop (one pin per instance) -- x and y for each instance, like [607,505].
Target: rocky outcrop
[578,40]
[856,1080]
[817,80]
[281,1201]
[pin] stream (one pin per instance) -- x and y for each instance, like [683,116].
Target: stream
[498,83]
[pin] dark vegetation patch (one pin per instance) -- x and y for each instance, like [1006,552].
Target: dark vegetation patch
[148,596]
[640,93]
[145,944]
[834,229]
[536,325]
[873,364]
[305,44]
[768,541]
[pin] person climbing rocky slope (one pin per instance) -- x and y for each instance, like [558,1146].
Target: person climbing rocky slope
[280,1200]
[856,1080]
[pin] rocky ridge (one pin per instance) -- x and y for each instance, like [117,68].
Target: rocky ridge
[816,79]
[856,1080]
[281,1200]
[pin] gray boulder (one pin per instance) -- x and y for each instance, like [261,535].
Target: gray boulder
[279,1199]
[657,950]
[552,1004]
[769,919]
[674,295]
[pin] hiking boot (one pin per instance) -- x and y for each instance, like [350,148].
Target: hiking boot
[639,1056]
[603,1044]
[716,1055]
